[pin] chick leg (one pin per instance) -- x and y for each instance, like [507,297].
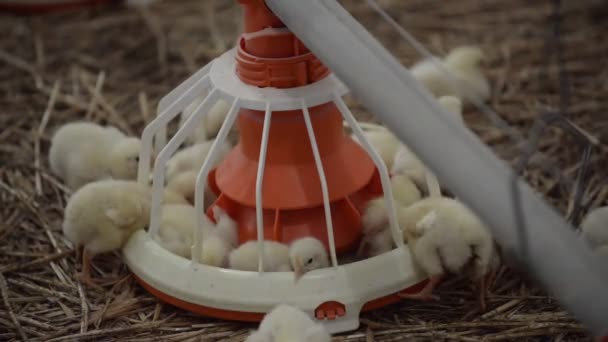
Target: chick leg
[492,279]
[427,292]
[85,275]
[485,282]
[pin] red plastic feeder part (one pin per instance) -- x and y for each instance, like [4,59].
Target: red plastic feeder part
[292,196]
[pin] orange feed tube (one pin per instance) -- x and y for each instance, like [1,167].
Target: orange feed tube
[268,55]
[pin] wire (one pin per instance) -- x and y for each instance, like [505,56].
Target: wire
[259,183]
[323,180]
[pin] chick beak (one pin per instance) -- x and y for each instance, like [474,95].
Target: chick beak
[298,272]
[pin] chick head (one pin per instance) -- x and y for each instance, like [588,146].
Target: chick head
[466,57]
[130,215]
[124,158]
[307,254]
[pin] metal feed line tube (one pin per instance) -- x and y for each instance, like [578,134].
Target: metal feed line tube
[559,260]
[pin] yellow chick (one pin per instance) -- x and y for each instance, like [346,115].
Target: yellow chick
[384,142]
[464,64]
[192,158]
[594,230]
[221,239]
[102,215]
[245,257]
[83,152]
[172,197]
[307,254]
[211,123]
[377,237]
[408,164]
[405,191]
[286,323]
[444,236]
[225,227]
[176,232]
[184,184]
[215,251]
[375,214]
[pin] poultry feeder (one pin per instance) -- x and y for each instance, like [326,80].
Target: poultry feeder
[295,173]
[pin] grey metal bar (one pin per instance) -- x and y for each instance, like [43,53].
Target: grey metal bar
[558,259]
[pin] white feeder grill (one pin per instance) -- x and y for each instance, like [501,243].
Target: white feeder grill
[351,285]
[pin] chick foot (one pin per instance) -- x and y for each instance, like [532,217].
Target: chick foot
[84,276]
[426,293]
[86,279]
[484,283]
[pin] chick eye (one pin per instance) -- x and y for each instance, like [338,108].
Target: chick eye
[137,159]
[309,261]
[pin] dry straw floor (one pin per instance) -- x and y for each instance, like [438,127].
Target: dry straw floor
[111,65]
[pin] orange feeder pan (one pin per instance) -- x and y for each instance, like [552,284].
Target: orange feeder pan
[292,198]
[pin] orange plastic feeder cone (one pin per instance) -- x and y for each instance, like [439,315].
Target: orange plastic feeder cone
[269,55]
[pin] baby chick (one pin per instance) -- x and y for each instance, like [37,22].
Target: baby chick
[176,233]
[375,215]
[408,164]
[405,191]
[464,64]
[123,158]
[384,142]
[377,237]
[215,251]
[171,197]
[192,158]
[184,184]
[211,123]
[453,106]
[445,236]
[376,243]
[245,257]
[102,215]
[220,240]
[594,230]
[307,254]
[226,228]
[83,152]
[286,323]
